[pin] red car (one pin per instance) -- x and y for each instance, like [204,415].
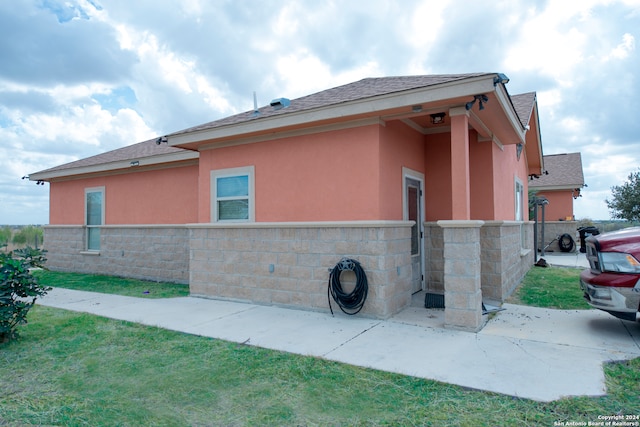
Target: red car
[612,283]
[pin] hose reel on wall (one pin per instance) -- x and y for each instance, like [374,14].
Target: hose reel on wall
[349,302]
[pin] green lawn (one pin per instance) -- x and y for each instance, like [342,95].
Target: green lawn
[112,285]
[551,287]
[77,369]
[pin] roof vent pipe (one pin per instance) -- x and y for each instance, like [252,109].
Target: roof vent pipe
[280,103]
[256,112]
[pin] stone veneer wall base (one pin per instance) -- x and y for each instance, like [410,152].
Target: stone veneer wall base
[148,252]
[287,264]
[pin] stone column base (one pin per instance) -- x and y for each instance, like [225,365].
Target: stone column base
[462,273]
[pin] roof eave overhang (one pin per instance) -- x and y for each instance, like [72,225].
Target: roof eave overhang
[533,143]
[346,111]
[510,112]
[564,187]
[119,165]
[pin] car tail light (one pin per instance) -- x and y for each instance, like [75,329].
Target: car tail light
[619,262]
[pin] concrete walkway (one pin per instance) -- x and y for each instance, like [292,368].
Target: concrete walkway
[527,352]
[569,259]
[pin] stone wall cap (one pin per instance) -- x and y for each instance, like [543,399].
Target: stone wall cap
[456,223]
[305,224]
[118,226]
[495,223]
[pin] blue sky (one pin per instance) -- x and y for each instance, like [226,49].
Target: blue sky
[79,77]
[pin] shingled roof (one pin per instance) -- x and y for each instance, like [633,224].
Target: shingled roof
[121,157]
[362,89]
[367,88]
[565,172]
[523,104]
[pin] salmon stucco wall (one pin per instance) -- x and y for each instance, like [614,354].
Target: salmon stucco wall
[400,146]
[437,177]
[492,172]
[160,196]
[560,205]
[493,175]
[330,176]
[482,170]
[507,168]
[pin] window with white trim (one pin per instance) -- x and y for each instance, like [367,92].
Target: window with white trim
[94,216]
[519,209]
[232,195]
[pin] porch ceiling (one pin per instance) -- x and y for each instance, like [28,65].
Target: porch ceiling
[496,121]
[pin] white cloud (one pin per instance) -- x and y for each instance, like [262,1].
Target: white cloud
[624,49]
[614,167]
[181,63]
[425,24]
[548,44]
[302,73]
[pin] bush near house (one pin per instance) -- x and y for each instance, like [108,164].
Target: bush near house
[18,288]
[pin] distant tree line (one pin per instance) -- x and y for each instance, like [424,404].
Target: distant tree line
[27,235]
[625,199]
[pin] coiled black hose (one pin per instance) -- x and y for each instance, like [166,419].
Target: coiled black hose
[349,302]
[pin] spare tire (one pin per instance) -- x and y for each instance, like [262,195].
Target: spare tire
[566,243]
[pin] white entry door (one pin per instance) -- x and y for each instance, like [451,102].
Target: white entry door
[413,211]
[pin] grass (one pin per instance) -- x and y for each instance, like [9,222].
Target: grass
[112,285]
[77,369]
[551,287]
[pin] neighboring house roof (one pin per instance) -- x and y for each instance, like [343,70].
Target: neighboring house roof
[564,173]
[145,153]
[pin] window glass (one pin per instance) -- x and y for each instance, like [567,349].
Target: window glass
[519,210]
[233,209]
[93,239]
[94,208]
[94,219]
[232,186]
[519,201]
[232,194]
[414,215]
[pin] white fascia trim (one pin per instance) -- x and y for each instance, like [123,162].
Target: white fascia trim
[119,165]
[554,187]
[479,126]
[510,112]
[293,133]
[536,117]
[467,87]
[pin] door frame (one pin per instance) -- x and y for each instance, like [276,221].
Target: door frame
[416,176]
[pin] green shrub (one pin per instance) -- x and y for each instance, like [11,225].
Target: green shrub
[18,288]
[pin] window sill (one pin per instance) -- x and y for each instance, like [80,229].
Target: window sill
[524,252]
[91,253]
